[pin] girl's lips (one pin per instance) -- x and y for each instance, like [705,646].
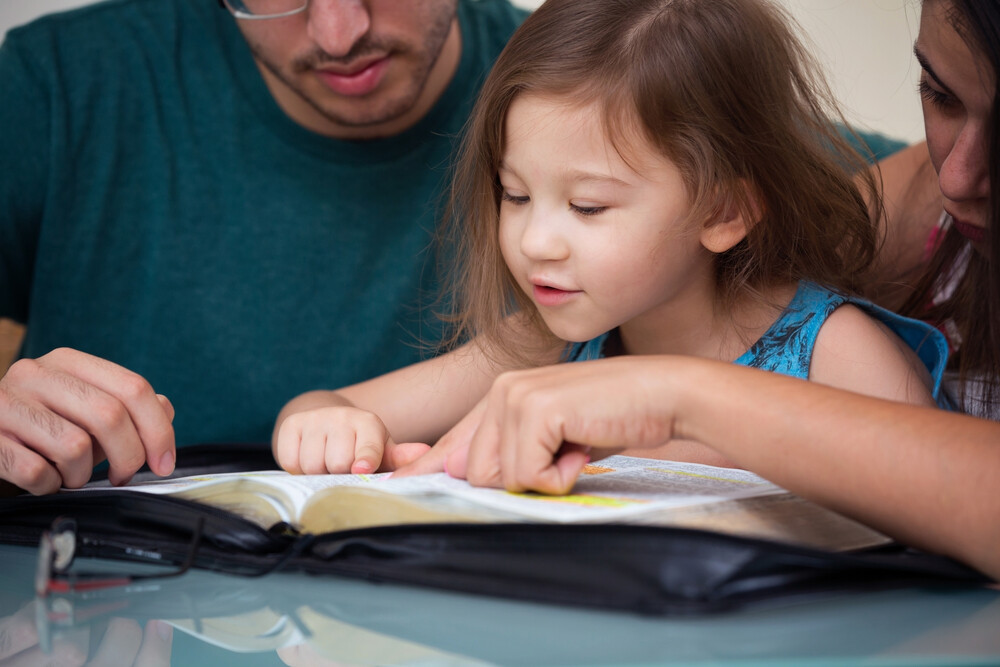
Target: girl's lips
[972,232]
[551,296]
[358,83]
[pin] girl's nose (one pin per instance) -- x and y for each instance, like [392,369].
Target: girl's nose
[543,239]
[964,175]
[337,25]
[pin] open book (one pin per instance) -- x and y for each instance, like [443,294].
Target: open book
[618,489]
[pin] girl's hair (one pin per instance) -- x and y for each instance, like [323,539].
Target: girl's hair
[725,91]
[971,280]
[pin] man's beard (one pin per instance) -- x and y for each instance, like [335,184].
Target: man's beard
[403,98]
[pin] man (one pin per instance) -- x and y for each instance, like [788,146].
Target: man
[224,207]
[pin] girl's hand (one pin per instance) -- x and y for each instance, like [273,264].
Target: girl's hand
[541,426]
[340,439]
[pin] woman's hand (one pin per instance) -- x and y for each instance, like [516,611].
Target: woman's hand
[541,426]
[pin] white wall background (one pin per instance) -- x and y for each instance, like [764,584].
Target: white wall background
[865,46]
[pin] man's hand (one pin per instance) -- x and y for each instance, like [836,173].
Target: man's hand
[124,642]
[64,412]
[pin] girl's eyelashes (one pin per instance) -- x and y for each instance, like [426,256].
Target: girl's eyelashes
[515,199]
[935,97]
[588,210]
[520,200]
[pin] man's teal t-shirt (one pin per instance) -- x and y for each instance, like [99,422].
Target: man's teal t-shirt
[159,210]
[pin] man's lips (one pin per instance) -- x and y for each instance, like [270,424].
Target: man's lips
[357,81]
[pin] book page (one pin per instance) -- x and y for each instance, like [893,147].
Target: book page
[618,489]
[265,497]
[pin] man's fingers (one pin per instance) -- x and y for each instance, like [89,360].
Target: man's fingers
[18,632]
[31,428]
[157,644]
[144,415]
[29,470]
[120,644]
[167,406]
[63,404]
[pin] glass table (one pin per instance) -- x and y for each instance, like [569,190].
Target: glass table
[204,618]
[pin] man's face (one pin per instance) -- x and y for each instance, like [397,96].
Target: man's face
[358,69]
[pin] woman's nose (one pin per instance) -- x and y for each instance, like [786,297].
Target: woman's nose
[964,174]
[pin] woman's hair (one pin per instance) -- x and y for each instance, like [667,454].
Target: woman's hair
[725,91]
[971,280]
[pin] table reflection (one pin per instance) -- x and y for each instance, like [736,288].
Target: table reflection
[204,618]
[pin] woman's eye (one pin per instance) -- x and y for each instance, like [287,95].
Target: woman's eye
[588,210]
[515,199]
[935,97]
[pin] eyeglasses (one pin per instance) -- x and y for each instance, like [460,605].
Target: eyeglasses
[264,9]
[56,550]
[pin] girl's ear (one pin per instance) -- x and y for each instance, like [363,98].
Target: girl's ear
[730,225]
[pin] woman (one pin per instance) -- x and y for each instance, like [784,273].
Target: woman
[926,477]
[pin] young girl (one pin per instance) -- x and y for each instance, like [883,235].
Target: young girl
[926,477]
[640,177]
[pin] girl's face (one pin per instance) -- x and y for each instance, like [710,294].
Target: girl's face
[594,242]
[956,86]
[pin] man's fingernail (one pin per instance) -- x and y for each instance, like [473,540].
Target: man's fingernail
[166,463]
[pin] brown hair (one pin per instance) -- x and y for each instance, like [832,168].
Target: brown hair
[973,301]
[725,91]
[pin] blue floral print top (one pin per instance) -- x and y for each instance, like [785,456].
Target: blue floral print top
[787,346]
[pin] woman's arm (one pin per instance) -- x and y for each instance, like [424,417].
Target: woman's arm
[924,476]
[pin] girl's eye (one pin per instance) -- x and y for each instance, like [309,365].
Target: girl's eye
[588,210]
[936,97]
[516,200]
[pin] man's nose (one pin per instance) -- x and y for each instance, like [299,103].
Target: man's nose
[336,25]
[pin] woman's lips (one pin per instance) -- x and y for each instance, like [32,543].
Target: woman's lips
[356,83]
[972,232]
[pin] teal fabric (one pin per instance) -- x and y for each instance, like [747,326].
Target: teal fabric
[874,146]
[159,210]
[787,346]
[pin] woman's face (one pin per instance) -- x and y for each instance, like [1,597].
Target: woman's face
[956,87]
